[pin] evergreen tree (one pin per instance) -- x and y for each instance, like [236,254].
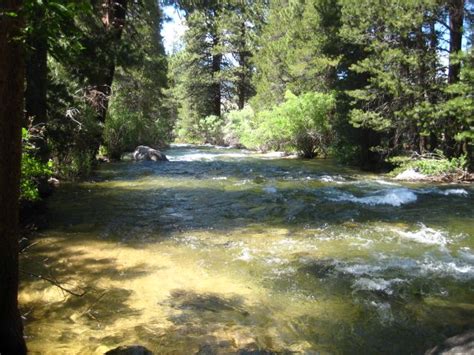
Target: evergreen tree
[295,51]
[11,116]
[213,73]
[406,77]
[138,113]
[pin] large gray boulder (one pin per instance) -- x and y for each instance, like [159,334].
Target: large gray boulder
[142,152]
[458,344]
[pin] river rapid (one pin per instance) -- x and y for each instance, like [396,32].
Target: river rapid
[227,251]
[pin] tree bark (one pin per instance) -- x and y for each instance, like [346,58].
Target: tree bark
[456,17]
[216,68]
[113,17]
[11,116]
[36,82]
[243,53]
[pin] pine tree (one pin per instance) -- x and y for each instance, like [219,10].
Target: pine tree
[11,116]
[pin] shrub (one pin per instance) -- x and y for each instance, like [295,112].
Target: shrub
[433,164]
[211,128]
[237,126]
[32,170]
[301,124]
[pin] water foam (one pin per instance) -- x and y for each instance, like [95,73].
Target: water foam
[461,192]
[330,178]
[270,189]
[447,192]
[392,197]
[466,255]
[451,268]
[426,235]
[195,156]
[245,255]
[375,284]
[426,267]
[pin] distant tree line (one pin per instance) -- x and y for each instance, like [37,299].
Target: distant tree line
[401,72]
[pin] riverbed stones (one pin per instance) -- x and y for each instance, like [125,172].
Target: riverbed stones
[143,152]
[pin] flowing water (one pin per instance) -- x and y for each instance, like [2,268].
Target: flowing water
[227,251]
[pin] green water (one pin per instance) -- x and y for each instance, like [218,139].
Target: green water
[221,251]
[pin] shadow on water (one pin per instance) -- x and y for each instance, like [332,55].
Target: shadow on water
[215,324]
[227,325]
[79,274]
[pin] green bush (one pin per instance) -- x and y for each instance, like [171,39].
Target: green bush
[300,124]
[211,128]
[432,165]
[237,126]
[32,170]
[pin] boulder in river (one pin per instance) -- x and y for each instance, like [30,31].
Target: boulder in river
[458,344]
[142,152]
[129,350]
[411,175]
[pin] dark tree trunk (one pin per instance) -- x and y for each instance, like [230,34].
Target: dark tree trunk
[242,86]
[216,90]
[11,115]
[36,82]
[113,19]
[243,54]
[113,16]
[433,43]
[369,159]
[456,17]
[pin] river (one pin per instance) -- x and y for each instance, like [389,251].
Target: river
[221,251]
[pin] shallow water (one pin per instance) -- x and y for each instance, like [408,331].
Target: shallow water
[221,251]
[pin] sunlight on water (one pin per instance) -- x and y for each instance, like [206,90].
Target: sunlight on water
[222,250]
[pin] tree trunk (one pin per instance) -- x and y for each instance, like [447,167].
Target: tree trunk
[11,115]
[113,16]
[113,19]
[456,17]
[243,53]
[241,86]
[36,82]
[216,68]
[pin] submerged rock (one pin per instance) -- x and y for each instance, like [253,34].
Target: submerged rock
[142,152]
[459,344]
[411,175]
[129,350]
[320,268]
